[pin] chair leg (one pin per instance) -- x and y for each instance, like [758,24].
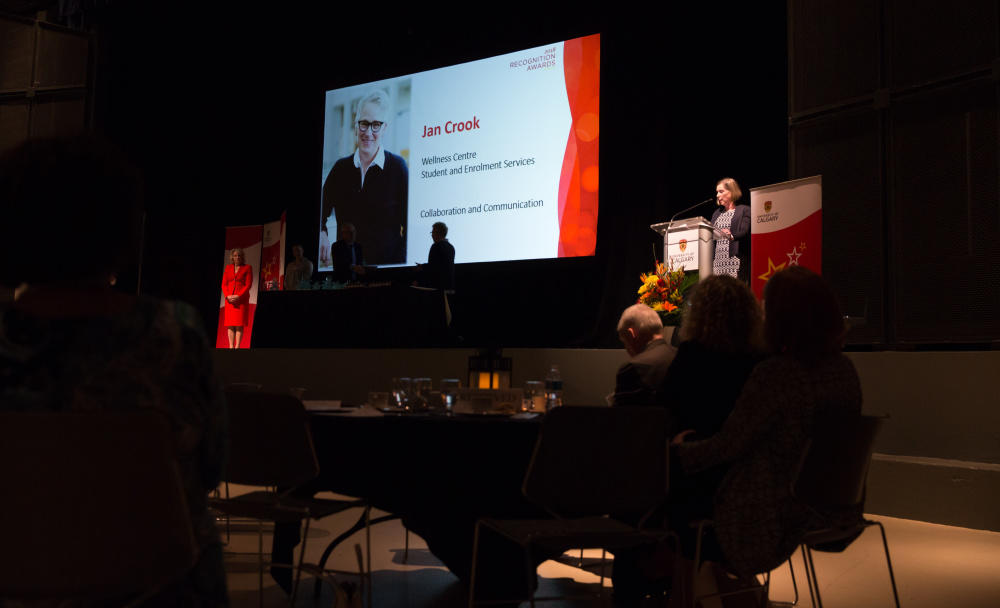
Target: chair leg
[811,573]
[795,587]
[368,550]
[696,565]
[888,561]
[361,569]
[406,545]
[767,590]
[604,561]
[228,539]
[260,564]
[302,556]
[475,559]
[805,566]
[529,570]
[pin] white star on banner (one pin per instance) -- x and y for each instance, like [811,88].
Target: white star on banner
[793,257]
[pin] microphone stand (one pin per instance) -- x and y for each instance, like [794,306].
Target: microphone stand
[674,216]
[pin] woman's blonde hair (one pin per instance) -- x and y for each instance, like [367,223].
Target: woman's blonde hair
[730,184]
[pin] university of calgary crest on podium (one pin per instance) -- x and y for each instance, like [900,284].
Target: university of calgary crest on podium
[683,244]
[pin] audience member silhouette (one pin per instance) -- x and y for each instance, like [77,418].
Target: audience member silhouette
[638,380]
[805,381]
[720,344]
[71,342]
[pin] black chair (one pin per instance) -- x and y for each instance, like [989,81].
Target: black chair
[271,447]
[735,586]
[94,508]
[831,481]
[589,462]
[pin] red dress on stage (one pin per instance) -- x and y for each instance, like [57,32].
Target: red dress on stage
[237,283]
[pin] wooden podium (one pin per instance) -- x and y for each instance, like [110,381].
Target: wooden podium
[689,243]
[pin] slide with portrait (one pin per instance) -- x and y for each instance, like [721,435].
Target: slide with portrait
[503,150]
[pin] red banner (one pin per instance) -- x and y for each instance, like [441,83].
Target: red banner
[272,257]
[786,229]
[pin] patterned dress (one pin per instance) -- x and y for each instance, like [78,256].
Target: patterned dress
[150,354]
[723,263]
[757,522]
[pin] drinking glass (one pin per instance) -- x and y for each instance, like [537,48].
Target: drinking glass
[449,392]
[401,388]
[421,390]
[534,396]
[378,399]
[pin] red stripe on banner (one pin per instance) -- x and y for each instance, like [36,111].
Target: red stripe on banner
[579,180]
[270,257]
[799,244]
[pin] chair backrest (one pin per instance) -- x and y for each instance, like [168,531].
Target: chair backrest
[93,505]
[600,460]
[835,464]
[270,443]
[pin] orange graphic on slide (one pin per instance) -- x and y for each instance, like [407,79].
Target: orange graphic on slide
[579,179]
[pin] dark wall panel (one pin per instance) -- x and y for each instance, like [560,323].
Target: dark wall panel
[58,117]
[13,123]
[62,59]
[946,232]
[835,46]
[17,47]
[845,150]
[931,39]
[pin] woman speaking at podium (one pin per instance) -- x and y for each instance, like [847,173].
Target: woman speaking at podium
[732,256]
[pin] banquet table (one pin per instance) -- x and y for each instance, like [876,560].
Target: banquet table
[439,474]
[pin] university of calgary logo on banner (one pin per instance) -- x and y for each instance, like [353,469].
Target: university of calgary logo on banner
[767,206]
[683,244]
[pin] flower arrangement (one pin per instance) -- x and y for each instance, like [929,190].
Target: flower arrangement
[664,290]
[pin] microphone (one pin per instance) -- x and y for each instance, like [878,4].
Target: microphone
[707,200]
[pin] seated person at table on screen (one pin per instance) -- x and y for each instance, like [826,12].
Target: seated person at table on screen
[299,270]
[348,256]
[439,271]
[638,380]
[369,187]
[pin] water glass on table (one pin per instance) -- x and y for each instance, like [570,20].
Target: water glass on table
[534,396]
[421,392]
[401,388]
[449,393]
[379,399]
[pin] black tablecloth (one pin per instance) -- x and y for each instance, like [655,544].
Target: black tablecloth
[387,316]
[440,474]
